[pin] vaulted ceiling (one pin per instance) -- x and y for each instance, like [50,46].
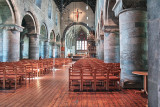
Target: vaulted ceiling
[61,4]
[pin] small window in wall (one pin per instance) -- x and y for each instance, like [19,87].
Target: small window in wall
[49,9]
[81,45]
[58,38]
[56,20]
[38,3]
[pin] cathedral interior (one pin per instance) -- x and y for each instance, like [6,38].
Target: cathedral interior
[44,42]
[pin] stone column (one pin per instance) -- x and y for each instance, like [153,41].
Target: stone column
[133,45]
[1,46]
[11,42]
[100,47]
[21,49]
[111,47]
[33,46]
[51,47]
[41,49]
[46,49]
[153,53]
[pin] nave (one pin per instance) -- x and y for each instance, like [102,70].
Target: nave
[51,90]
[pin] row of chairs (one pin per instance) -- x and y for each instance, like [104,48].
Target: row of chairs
[62,61]
[17,73]
[95,74]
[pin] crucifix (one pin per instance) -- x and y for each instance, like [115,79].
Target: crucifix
[77,14]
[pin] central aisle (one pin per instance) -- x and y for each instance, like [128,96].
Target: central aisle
[51,90]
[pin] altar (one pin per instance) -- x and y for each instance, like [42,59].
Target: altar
[78,56]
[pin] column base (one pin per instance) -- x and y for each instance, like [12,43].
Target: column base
[130,84]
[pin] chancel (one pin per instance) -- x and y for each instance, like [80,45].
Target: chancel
[79,53]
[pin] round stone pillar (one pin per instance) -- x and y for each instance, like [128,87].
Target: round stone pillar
[1,46]
[133,46]
[11,42]
[41,49]
[100,49]
[21,49]
[111,48]
[33,46]
[46,49]
[51,47]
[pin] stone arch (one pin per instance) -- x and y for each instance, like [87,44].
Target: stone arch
[58,38]
[52,44]
[106,4]
[7,15]
[29,25]
[98,30]
[44,32]
[109,17]
[104,10]
[43,42]
[12,16]
[72,24]
[50,5]
[74,34]
[101,20]
[52,36]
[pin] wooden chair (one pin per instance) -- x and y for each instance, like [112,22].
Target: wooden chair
[74,78]
[87,78]
[100,78]
[21,71]
[35,69]
[114,78]
[12,76]
[2,76]
[29,70]
[41,68]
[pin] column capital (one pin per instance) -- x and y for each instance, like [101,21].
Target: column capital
[128,4]
[102,34]
[44,39]
[111,29]
[58,43]
[11,27]
[52,43]
[33,35]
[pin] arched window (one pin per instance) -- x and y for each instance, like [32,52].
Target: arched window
[56,20]
[38,3]
[49,9]
[81,42]
[81,45]
[58,38]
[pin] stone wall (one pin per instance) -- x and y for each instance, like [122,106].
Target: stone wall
[100,49]
[133,45]
[154,52]
[13,12]
[111,47]
[40,14]
[69,15]
[1,46]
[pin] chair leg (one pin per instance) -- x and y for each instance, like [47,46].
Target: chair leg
[69,85]
[81,86]
[95,87]
[119,85]
[108,85]
[115,84]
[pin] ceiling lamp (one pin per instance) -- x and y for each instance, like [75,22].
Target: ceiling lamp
[86,7]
